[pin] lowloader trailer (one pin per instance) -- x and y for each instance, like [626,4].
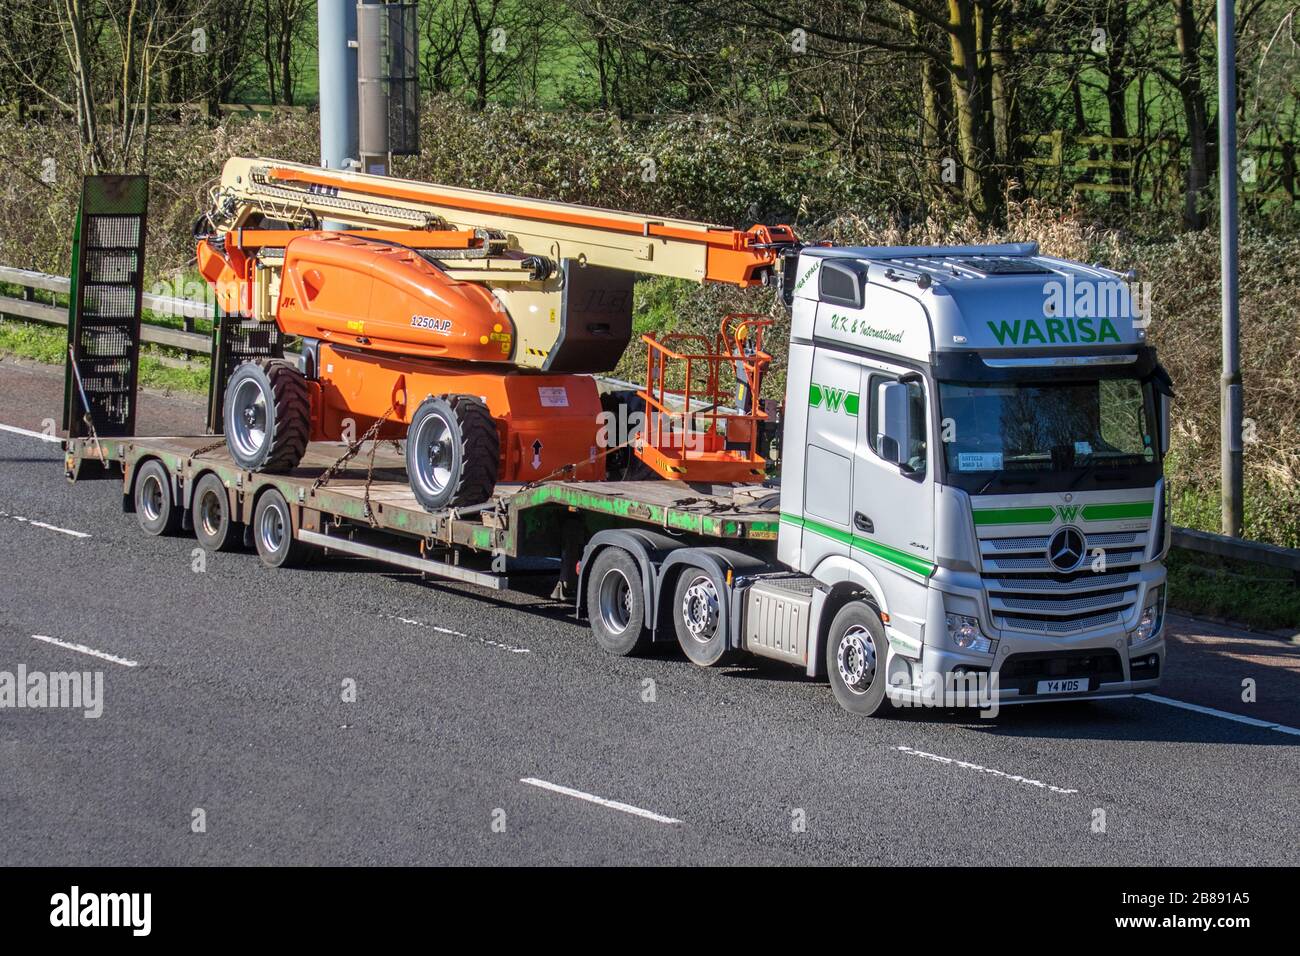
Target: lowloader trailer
[971,449]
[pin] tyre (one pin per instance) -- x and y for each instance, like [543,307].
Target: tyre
[698,617]
[616,603]
[154,507]
[856,651]
[267,415]
[453,452]
[273,533]
[210,512]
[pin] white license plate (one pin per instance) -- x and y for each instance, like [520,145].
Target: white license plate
[1074,685]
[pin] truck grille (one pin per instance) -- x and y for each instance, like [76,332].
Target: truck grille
[1027,594]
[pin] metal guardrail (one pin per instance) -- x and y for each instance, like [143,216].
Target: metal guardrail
[1202,542]
[28,308]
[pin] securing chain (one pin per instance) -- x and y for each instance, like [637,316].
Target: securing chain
[348,455]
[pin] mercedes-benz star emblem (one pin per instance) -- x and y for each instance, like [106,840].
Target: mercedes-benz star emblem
[1065,549]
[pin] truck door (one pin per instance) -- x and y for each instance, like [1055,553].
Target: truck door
[893,490]
[833,413]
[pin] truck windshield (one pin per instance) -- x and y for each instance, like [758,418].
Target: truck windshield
[1042,428]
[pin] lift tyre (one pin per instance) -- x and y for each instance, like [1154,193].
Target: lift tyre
[210,511]
[856,652]
[698,619]
[616,603]
[267,415]
[273,533]
[453,452]
[154,507]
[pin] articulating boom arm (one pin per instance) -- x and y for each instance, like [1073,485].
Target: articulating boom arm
[301,196]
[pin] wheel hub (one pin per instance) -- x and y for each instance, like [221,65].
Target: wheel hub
[432,461]
[615,601]
[856,658]
[248,427]
[700,609]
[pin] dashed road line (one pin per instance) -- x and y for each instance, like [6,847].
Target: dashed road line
[487,642]
[28,433]
[41,524]
[83,649]
[1224,714]
[592,798]
[988,770]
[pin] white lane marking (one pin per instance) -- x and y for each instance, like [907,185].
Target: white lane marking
[55,439]
[1226,715]
[592,798]
[989,770]
[41,524]
[446,630]
[83,649]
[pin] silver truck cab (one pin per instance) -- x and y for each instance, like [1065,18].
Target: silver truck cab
[972,457]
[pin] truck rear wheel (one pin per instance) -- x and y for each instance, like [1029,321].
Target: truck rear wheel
[267,415]
[856,651]
[453,452]
[154,508]
[273,533]
[616,603]
[698,619]
[210,511]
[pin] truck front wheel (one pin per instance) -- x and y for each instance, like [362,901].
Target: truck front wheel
[856,651]
[616,603]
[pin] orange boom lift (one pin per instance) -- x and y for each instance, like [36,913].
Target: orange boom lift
[470,323]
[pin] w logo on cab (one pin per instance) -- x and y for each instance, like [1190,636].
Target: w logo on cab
[1067,513]
[834,399]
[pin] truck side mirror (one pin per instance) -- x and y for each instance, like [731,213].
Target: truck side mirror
[892,425]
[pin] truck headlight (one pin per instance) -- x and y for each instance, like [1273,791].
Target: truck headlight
[964,632]
[1149,622]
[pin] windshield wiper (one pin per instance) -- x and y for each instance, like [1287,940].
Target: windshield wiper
[1005,479]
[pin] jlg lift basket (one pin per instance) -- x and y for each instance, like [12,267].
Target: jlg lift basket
[702,403]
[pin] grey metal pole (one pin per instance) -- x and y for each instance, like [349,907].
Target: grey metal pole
[337,34]
[1230,445]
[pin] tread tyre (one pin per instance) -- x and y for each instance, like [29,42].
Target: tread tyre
[856,652]
[698,618]
[616,603]
[273,533]
[210,512]
[453,452]
[154,507]
[267,416]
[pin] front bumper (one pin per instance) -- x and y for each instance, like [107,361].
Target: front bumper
[1108,665]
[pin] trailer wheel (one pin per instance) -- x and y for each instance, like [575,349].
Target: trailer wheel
[267,415]
[154,507]
[856,651]
[453,452]
[616,603]
[210,511]
[698,619]
[273,533]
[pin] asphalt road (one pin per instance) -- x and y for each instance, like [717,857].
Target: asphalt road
[234,706]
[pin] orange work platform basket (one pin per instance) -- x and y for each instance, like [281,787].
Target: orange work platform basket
[702,403]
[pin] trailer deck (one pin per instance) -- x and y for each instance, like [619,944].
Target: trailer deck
[365,507]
